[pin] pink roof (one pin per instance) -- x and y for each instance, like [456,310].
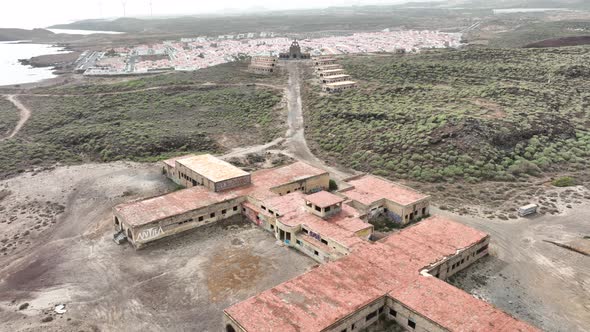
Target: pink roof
[182,201]
[324,199]
[291,208]
[175,203]
[368,189]
[439,302]
[321,297]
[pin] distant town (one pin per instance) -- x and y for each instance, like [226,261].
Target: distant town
[194,53]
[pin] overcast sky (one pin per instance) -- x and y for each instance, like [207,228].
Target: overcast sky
[42,13]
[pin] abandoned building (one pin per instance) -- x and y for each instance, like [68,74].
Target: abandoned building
[294,53]
[324,61]
[289,201]
[262,64]
[335,78]
[331,75]
[330,72]
[400,277]
[338,86]
[328,67]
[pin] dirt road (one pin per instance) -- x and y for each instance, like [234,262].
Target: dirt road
[296,145]
[530,278]
[25,114]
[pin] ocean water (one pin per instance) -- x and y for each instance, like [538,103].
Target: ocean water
[13,72]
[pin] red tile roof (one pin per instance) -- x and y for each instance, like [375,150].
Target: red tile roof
[172,204]
[321,297]
[454,309]
[369,189]
[182,201]
[293,213]
[324,199]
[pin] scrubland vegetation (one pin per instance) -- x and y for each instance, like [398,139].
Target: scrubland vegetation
[8,117]
[478,114]
[141,126]
[227,73]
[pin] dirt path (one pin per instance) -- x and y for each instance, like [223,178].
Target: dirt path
[25,114]
[297,147]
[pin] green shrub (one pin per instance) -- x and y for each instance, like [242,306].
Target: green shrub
[564,181]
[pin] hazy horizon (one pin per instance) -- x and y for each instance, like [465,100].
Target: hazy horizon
[41,14]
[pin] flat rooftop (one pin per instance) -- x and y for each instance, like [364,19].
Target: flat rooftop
[328,71]
[322,297]
[340,228]
[324,199]
[172,161]
[369,189]
[337,84]
[212,167]
[336,76]
[179,202]
[169,205]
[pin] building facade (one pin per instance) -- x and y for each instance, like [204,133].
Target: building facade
[294,53]
[360,281]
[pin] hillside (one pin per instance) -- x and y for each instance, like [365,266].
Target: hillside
[22,34]
[479,114]
[335,20]
[73,126]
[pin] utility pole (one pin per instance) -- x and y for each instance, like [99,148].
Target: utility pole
[124,3]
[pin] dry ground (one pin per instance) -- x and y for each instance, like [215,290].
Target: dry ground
[532,279]
[181,284]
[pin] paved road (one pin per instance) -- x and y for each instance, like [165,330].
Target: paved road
[25,114]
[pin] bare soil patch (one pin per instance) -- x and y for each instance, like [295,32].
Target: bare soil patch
[529,277]
[180,283]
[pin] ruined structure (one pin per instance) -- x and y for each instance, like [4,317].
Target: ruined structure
[338,86]
[331,75]
[400,277]
[294,53]
[289,201]
[262,64]
[329,72]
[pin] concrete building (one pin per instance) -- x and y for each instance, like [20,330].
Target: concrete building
[335,78]
[205,170]
[328,67]
[216,190]
[330,72]
[262,64]
[324,61]
[375,196]
[397,278]
[294,53]
[400,277]
[338,86]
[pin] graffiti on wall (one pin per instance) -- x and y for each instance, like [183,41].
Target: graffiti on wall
[315,236]
[150,233]
[394,216]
